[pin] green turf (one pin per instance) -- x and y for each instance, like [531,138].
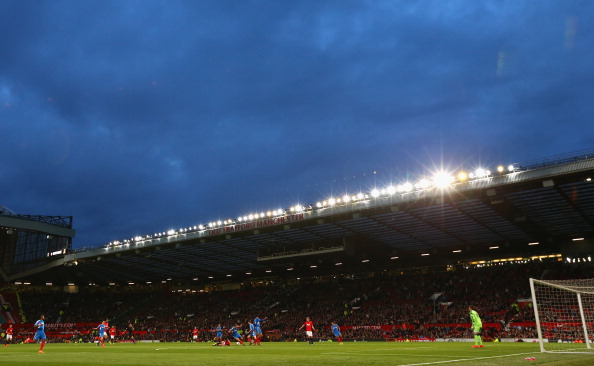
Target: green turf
[327,354]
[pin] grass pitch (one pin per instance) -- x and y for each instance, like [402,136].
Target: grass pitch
[327,354]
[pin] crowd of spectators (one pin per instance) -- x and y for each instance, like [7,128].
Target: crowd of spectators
[430,304]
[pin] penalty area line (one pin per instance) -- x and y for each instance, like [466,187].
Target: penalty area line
[468,359]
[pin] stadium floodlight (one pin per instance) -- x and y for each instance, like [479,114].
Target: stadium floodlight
[500,169]
[480,173]
[200,227]
[319,205]
[391,190]
[442,179]
[405,187]
[360,196]
[375,193]
[346,198]
[462,176]
[250,217]
[171,232]
[511,168]
[331,201]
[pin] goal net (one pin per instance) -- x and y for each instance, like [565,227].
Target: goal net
[564,313]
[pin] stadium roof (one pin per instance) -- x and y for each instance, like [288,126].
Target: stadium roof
[543,209]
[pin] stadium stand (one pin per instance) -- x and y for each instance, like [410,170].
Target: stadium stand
[373,307]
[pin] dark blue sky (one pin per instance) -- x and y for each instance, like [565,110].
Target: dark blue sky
[142,116]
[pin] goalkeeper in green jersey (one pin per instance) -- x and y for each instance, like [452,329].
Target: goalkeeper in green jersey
[477,328]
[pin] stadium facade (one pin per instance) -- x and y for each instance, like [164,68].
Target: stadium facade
[543,209]
[31,241]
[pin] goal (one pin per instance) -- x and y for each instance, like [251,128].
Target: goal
[564,313]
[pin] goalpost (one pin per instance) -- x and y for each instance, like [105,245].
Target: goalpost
[564,313]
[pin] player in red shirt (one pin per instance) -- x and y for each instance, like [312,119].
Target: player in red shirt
[113,332]
[309,329]
[8,336]
[195,334]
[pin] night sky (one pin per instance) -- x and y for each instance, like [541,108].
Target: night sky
[137,117]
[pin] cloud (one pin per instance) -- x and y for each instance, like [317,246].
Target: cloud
[137,116]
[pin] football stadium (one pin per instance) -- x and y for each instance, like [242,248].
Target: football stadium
[387,276]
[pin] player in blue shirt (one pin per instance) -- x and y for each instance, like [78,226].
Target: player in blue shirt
[40,332]
[251,336]
[258,330]
[235,334]
[219,333]
[102,334]
[336,331]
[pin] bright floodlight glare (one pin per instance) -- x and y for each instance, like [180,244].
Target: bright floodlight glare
[511,167]
[423,183]
[346,198]
[319,205]
[405,187]
[375,193]
[462,176]
[480,173]
[360,196]
[500,169]
[391,190]
[442,179]
[331,201]
[171,232]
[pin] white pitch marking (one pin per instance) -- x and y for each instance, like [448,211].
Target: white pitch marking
[468,359]
[387,354]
